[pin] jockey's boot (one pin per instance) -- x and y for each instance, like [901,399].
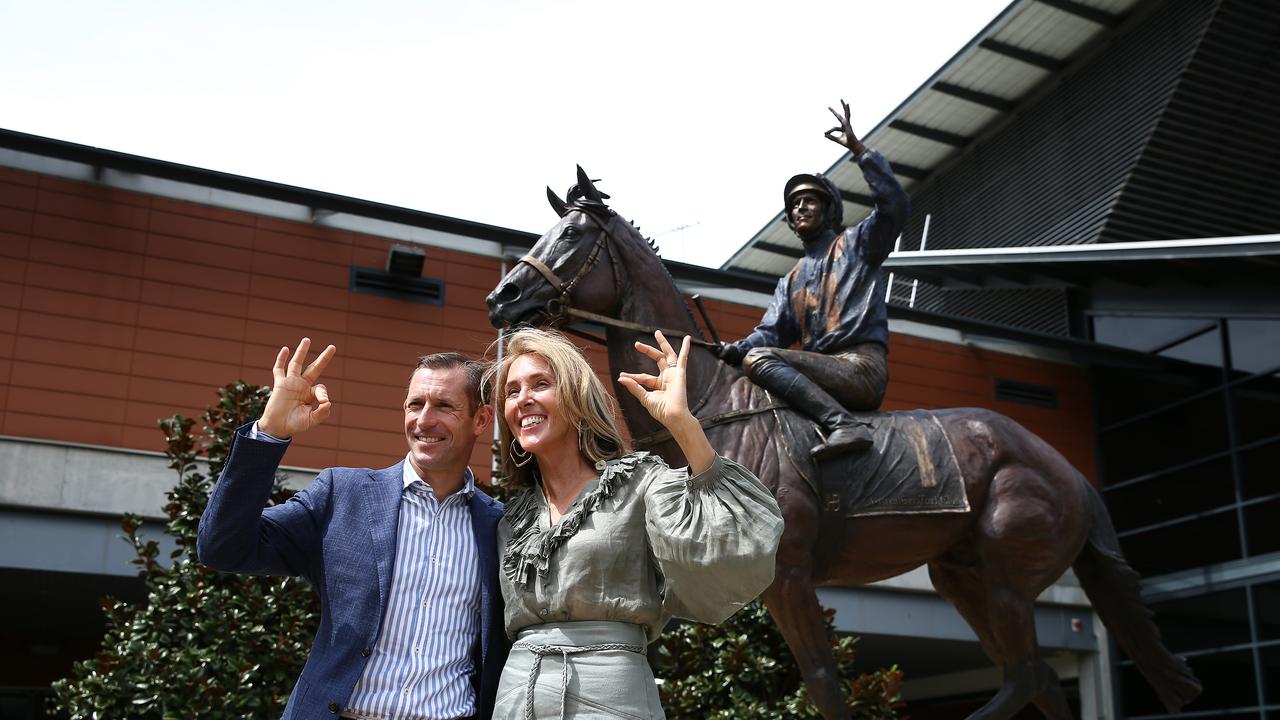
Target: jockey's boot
[844,432]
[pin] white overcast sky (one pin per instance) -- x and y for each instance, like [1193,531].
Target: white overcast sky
[693,113]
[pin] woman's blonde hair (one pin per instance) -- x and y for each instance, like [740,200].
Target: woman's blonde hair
[583,401]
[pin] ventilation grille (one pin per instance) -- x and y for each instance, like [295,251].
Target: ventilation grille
[1026,393]
[380,282]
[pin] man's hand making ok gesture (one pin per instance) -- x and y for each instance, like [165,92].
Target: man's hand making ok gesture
[298,402]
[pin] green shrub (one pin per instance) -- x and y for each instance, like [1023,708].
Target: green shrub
[743,670]
[205,644]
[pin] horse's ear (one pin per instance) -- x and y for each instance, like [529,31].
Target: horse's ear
[588,189]
[556,203]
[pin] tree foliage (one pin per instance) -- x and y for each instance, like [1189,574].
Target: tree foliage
[743,670]
[205,644]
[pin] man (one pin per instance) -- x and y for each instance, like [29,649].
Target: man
[832,303]
[404,558]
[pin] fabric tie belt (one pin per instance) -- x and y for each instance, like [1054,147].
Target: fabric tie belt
[541,650]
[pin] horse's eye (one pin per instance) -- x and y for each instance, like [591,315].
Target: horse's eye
[570,232]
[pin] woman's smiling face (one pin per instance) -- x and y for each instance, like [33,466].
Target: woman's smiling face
[531,408]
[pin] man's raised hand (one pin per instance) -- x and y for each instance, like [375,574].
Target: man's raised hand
[298,401]
[843,133]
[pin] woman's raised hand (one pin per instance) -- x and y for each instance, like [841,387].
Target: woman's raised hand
[663,395]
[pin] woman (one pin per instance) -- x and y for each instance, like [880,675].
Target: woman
[602,547]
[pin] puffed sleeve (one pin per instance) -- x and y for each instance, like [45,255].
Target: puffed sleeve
[714,537]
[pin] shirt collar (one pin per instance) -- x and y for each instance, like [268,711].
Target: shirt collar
[410,476]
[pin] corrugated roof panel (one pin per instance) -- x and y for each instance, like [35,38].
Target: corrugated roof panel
[951,114]
[848,176]
[1115,7]
[908,149]
[991,72]
[1211,165]
[1048,31]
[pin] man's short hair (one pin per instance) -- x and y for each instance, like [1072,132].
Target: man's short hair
[474,371]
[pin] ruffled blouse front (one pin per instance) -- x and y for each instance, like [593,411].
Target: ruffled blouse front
[641,543]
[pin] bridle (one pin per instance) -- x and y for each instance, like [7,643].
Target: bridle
[557,308]
[559,311]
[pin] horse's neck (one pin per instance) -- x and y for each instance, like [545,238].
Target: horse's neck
[652,300]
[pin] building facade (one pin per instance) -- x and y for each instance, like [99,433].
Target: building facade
[1104,176]
[130,289]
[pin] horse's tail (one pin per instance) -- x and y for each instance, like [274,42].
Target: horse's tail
[1113,588]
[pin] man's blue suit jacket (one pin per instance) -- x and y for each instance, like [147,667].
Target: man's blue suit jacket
[340,534]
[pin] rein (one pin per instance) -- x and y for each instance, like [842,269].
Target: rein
[658,436]
[615,322]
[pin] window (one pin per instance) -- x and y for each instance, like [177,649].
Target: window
[1255,345]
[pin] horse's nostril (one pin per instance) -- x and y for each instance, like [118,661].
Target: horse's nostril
[508,293]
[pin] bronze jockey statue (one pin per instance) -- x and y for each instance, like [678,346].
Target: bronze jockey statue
[832,303]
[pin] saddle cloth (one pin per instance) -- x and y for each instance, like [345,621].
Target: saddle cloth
[911,469]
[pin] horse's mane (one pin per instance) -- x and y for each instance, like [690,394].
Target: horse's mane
[603,212]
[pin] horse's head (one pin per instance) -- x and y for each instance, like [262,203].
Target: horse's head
[573,265]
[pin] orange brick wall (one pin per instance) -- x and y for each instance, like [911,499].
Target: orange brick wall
[117,308]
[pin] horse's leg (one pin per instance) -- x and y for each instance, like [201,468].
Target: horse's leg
[1016,554]
[1052,701]
[961,584]
[1027,677]
[794,606]
[793,603]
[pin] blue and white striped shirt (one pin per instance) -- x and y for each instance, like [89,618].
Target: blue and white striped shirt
[421,664]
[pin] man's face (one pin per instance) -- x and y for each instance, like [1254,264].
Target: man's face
[806,211]
[439,424]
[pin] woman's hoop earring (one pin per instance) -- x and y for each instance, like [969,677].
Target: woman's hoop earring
[519,455]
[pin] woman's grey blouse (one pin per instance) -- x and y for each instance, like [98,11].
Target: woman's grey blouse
[641,543]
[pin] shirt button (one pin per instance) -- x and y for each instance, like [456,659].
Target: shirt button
[544,611]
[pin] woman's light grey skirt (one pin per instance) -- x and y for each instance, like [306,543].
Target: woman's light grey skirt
[583,670]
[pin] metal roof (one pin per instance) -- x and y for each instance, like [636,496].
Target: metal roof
[1208,261]
[982,85]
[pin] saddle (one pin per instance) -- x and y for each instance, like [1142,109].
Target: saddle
[911,469]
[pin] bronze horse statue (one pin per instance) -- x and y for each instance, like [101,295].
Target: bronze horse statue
[1031,514]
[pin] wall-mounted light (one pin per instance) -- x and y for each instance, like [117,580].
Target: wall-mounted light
[406,261]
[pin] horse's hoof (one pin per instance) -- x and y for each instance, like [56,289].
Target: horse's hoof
[844,440]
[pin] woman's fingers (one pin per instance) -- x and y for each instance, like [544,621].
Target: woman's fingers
[683,360]
[633,388]
[663,345]
[650,381]
[649,351]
